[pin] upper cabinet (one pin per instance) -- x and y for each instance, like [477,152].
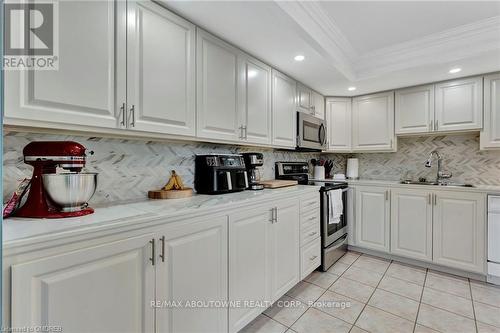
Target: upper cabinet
[304,98]
[255,117]
[318,105]
[373,122]
[490,135]
[338,124]
[459,105]
[284,113]
[160,70]
[415,110]
[309,101]
[217,97]
[82,90]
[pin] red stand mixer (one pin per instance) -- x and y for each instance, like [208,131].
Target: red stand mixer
[57,195]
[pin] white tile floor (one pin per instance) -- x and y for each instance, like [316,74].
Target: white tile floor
[362,293]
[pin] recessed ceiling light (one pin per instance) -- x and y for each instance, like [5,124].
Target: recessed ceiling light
[455,70]
[351,88]
[299,57]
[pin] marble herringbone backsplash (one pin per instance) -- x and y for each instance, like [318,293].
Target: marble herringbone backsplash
[461,156]
[129,168]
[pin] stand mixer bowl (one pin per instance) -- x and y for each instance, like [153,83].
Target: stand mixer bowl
[70,191]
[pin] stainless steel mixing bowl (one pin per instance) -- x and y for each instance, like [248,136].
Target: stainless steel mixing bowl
[71,191]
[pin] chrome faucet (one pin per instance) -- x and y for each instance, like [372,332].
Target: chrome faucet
[441,175]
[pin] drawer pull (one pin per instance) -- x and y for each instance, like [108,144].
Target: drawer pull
[311,203]
[312,218]
[312,258]
[313,233]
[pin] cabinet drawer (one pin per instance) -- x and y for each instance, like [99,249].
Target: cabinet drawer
[309,219]
[308,234]
[310,257]
[493,204]
[308,205]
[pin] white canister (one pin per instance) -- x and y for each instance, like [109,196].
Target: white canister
[352,168]
[319,172]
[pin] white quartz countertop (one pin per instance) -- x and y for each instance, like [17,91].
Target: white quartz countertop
[17,231]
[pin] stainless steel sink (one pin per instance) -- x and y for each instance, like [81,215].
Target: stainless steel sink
[414,182]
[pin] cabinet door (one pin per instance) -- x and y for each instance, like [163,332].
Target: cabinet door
[82,91]
[415,110]
[373,122]
[459,105]
[285,240]
[192,266]
[318,105]
[459,230]
[411,223]
[338,124]
[255,100]
[372,218]
[490,135]
[250,258]
[161,70]
[284,113]
[217,97]
[106,288]
[304,99]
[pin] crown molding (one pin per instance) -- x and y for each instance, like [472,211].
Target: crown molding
[322,33]
[326,37]
[450,45]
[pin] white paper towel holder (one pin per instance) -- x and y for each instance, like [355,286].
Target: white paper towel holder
[352,168]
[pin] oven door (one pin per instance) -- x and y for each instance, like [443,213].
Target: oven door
[330,232]
[311,132]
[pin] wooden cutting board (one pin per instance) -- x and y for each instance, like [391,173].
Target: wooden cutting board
[277,183]
[172,194]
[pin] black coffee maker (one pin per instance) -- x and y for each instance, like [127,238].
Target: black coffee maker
[220,173]
[252,161]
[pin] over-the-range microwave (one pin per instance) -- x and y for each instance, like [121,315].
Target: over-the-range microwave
[311,132]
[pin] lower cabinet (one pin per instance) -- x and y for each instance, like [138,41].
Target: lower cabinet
[459,236]
[263,258]
[105,288]
[411,223]
[372,218]
[125,286]
[445,227]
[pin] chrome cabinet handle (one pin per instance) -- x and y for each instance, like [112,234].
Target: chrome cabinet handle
[431,128]
[241,132]
[436,125]
[430,199]
[313,233]
[122,114]
[276,214]
[312,218]
[386,195]
[435,199]
[152,259]
[162,254]
[132,113]
[312,258]
[245,132]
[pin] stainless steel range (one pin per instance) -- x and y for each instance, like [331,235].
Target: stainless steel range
[333,226]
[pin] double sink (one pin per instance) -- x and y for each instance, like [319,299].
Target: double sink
[414,182]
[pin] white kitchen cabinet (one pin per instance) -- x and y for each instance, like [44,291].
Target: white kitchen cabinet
[411,223]
[304,99]
[373,122]
[459,230]
[161,70]
[338,124]
[459,105]
[490,135]
[82,90]
[372,226]
[283,110]
[414,109]
[217,96]
[192,266]
[255,117]
[104,288]
[250,260]
[318,105]
[285,248]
